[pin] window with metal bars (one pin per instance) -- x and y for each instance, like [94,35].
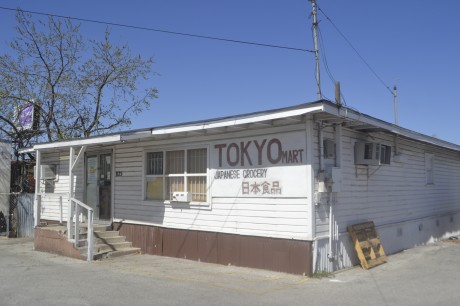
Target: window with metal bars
[177,171]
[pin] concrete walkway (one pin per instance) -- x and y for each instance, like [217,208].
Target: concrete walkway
[428,275]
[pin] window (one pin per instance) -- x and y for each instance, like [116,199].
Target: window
[368,149]
[429,165]
[155,179]
[385,154]
[177,171]
[329,148]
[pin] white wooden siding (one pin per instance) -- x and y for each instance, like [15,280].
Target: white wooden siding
[397,192]
[270,217]
[393,196]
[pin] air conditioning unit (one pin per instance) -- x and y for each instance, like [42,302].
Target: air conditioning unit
[371,153]
[48,172]
[181,196]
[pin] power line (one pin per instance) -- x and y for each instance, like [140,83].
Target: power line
[326,64]
[161,31]
[323,53]
[356,51]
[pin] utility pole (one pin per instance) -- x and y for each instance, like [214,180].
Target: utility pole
[315,39]
[395,96]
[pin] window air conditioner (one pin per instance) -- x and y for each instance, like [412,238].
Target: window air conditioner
[48,172]
[181,196]
[371,153]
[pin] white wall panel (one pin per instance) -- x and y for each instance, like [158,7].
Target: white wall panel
[282,217]
[392,196]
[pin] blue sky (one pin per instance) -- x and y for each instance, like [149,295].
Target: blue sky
[414,43]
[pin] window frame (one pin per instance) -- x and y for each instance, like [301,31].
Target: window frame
[383,153]
[185,174]
[429,168]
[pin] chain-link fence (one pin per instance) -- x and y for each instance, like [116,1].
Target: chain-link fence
[16,207]
[4,214]
[5,186]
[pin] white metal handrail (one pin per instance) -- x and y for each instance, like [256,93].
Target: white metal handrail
[76,229]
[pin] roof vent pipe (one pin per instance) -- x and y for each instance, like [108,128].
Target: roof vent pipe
[338,98]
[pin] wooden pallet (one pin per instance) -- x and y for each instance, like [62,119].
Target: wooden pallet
[367,244]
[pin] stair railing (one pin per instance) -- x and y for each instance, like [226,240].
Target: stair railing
[76,212]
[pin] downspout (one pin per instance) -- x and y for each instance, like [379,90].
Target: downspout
[309,127]
[330,253]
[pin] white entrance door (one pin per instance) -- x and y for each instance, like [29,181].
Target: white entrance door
[99,184]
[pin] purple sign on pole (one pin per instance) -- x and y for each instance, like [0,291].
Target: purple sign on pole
[26,117]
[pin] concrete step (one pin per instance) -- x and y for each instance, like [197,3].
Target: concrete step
[106,243]
[107,240]
[105,247]
[106,234]
[100,234]
[113,254]
[96,227]
[123,252]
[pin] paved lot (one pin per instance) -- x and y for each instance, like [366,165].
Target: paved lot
[428,275]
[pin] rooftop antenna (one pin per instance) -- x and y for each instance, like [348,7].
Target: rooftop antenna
[315,39]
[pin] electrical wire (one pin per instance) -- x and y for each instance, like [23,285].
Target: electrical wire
[356,51]
[161,31]
[326,65]
[317,79]
[323,57]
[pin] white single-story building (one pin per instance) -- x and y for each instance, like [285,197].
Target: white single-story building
[273,189]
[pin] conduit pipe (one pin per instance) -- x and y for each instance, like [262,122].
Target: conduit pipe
[321,174]
[333,227]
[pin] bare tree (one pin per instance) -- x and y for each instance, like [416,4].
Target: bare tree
[77,88]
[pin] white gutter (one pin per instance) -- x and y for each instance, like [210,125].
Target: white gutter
[235,122]
[122,137]
[78,142]
[126,136]
[353,115]
[26,150]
